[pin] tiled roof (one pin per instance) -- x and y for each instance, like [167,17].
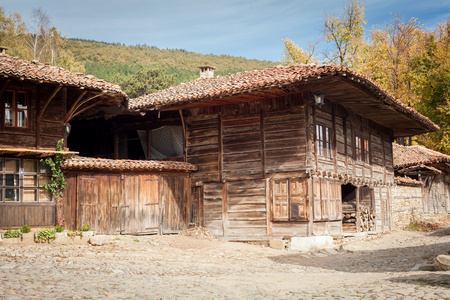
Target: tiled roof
[204,89]
[407,181]
[89,163]
[405,156]
[15,67]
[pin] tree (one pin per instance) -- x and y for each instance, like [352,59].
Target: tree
[346,33]
[13,31]
[431,76]
[293,54]
[390,54]
[146,81]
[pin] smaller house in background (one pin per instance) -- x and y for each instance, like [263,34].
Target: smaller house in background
[422,183]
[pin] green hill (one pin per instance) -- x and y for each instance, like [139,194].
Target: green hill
[114,61]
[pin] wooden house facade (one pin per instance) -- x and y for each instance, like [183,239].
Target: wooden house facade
[432,169]
[274,159]
[37,102]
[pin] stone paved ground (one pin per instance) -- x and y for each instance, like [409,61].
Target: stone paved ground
[178,267]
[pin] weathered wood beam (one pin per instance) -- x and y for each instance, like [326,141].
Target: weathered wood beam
[76,106]
[86,108]
[48,102]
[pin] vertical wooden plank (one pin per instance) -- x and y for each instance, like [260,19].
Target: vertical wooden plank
[220,147]
[225,208]
[333,136]
[269,212]
[313,130]
[358,217]
[263,157]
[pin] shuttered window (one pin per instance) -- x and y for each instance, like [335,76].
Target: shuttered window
[327,199]
[290,199]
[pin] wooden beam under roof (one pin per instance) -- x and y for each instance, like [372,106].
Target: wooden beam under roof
[48,102]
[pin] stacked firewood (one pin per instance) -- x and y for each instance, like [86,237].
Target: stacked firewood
[367,219]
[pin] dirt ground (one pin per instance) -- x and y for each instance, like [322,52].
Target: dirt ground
[388,266]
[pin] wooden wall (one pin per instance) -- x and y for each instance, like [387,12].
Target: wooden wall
[436,194]
[16,215]
[241,149]
[127,203]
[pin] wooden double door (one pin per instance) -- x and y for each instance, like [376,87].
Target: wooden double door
[113,204]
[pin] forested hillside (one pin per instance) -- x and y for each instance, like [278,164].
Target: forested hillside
[114,62]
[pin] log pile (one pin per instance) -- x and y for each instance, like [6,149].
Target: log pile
[367,219]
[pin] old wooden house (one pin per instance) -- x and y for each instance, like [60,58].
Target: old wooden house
[432,169]
[289,151]
[37,103]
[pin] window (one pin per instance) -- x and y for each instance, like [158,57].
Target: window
[324,144]
[290,199]
[362,152]
[21,180]
[16,109]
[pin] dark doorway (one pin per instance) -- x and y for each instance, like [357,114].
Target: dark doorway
[348,207]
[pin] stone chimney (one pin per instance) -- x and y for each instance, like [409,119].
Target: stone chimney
[206,71]
[3,49]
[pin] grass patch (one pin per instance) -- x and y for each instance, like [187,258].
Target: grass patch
[422,226]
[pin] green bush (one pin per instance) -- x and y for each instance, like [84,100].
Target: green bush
[45,235]
[11,234]
[25,229]
[59,228]
[85,227]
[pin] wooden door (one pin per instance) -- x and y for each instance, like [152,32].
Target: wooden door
[87,191]
[149,202]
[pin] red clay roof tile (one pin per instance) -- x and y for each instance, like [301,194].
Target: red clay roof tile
[15,67]
[89,163]
[405,156]
[204,89]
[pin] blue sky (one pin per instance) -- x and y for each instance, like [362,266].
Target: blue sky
[252,29]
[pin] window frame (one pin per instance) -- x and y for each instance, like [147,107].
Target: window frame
[39,173]
[15,109]
[324,141]
[362,149]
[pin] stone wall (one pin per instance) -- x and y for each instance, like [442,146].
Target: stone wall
[406,204]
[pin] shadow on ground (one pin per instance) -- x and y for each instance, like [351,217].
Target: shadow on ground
[428,279]
[378,261]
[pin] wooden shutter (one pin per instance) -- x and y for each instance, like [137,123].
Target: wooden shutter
[298,192]
[324,197]
[335,201]
[280,199]
[316,199]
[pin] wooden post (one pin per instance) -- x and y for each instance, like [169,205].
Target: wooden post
[268,207]
[311,207]
[263,157]
[220,147]
[358,219]
[225,208]
[149,144]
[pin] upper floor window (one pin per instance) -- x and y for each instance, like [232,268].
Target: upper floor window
[362,151]
[16,108]
[323,138]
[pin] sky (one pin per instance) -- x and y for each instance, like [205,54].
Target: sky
[251,29]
